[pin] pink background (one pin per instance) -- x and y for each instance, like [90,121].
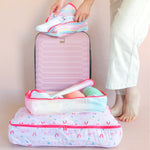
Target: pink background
[17,34]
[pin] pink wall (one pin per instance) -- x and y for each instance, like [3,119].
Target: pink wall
[17,34]
[18,21]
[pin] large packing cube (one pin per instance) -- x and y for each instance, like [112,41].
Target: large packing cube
[99,129]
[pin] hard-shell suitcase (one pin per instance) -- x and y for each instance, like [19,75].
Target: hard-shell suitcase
[61,62]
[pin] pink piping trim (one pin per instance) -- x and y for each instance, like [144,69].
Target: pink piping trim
[28,95]
[64,126]
[72,5]
[65,98]
[47,19]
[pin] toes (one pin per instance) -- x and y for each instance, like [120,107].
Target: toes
[127,118]
[124,118]
[133,118]
[121,118]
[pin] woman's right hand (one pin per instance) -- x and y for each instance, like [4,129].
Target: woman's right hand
[57,6]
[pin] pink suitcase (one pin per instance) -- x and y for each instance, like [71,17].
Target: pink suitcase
[60,63]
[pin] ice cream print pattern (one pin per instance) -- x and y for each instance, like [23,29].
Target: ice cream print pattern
[73,129]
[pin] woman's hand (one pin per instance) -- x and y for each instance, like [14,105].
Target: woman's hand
[83,11]
[57,6]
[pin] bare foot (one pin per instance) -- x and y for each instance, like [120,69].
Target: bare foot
[130,105]
[117,108]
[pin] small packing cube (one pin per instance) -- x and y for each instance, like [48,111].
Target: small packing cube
[45,106]
[98,129]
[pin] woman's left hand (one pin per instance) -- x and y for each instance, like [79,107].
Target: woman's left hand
[83,12]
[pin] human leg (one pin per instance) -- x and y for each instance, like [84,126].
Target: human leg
[130,104]
[118,106]
[129,28]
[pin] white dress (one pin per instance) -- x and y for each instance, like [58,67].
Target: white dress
[130,21]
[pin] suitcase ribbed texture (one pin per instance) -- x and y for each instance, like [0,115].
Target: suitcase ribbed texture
[61,62]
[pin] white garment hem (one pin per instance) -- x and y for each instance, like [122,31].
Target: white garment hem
[118,87]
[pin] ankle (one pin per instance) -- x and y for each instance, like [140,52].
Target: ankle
[119,99]
[132,91]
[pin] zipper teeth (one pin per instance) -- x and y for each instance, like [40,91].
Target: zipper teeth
[65,126]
